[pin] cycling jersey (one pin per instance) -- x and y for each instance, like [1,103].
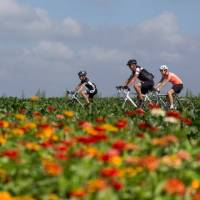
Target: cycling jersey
[143,74]
[91,87]
[174,79]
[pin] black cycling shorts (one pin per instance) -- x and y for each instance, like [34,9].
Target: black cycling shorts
[177,88]
[91,94]
[147,86]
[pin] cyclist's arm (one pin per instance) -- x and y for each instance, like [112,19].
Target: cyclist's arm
[80,87]
[131,80]
[163,83]
[159,83]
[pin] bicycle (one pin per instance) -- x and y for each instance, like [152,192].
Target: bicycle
[180,103]
[73,98]
[125,92]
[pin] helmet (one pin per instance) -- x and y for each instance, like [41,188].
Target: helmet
[132,61]
[82,73]
[163,67]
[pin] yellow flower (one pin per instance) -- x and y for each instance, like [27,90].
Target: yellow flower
[2,139]
[52,197]
[4,124]
[46,133]
[68,113]
[116,160]
[5,196]
[20,117]
[35,98]
[30,125]
[130,171]
[32,146]
[109,127]
[91,131]
[91,151]
[195,184]
[18,131]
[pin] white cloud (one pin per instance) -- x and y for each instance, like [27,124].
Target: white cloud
[50,50]
[71,27]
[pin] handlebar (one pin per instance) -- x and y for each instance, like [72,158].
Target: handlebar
[123,88]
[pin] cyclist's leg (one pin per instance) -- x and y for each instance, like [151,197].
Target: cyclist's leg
[138,87]
[84,93]
[170,98]
[177,89]
[146,87]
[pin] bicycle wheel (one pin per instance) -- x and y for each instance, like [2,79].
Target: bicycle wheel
[185,104]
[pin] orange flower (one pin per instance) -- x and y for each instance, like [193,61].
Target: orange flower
[4,124]
[5,196]
[150,162]
[68,113]
[79,193]
[164,140]
[52,168]
[96,185]
[174,186]
[196,196]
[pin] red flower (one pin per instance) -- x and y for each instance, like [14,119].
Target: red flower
[140,135]
[22,111]
[36,114]
[138,111]
[174,114]
[46,144]
[91,139]
[100,120]
[121,123]
[144,125]
[119,145]
[61,147]
[116,185]
[109,172]
[60,156]
[174,186]
[50,108]
[153,105]
[187,121]
[108,155]
[11,153]
[84,124]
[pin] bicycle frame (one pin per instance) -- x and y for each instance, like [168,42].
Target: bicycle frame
[126,96]
[73,96]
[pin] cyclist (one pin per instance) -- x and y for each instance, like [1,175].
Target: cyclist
[177,83]
[86,88]
[146,79]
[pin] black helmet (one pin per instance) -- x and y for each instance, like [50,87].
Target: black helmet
[82,73]
[132,61]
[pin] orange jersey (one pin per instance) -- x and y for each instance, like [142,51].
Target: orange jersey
[174,79]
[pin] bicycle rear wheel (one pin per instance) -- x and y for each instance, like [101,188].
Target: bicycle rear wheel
[184,104]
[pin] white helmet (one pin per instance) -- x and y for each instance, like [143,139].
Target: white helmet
[163,67]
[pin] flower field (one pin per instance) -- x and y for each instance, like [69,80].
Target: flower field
[52,151]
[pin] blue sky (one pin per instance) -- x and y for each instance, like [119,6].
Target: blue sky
[122,12]
[45,43]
